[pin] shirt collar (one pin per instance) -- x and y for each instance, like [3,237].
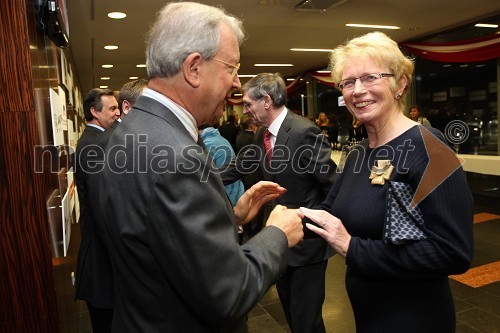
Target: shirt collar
[184,116]
[96,126]
[276,124]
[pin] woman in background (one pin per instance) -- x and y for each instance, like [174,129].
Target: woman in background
[415,116]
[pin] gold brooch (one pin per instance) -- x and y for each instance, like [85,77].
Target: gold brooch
[382,172]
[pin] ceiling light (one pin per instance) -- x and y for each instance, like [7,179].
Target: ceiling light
[246,75]
[323,72]
[133,77]
[110,47]
[464,65]
[273,65]
[107,66]
[105,78]
[393,27]
[117,15]
[484,25]
[311,50]
[447,65]
[290,79]
[103,87]
[140,65]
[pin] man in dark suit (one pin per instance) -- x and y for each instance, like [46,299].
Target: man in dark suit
[94,280]
[172,230]
[230,130]
[299,160]
[129,93]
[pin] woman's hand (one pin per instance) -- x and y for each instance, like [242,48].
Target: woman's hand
[330,229]
[254,198]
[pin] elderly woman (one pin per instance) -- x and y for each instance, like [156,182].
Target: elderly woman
[401,211]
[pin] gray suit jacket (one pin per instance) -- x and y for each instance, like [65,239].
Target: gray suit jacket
[173,241]
[302,164]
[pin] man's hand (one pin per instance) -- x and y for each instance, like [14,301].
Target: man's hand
[289,221]
[254,198]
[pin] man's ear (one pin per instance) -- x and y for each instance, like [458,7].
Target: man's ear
[191,69]
[94,112]
[126,106]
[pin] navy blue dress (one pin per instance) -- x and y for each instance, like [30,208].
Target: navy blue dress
[404,288]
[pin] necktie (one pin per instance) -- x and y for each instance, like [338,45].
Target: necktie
[267,144]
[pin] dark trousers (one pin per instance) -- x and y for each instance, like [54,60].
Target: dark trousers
[302,293]
[101,319]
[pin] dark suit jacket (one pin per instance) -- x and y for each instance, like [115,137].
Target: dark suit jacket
[173,239]
[302,164]
[94,279]
[230,132]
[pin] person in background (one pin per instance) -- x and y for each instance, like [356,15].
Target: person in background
[246,135]
[221,152]
[94,278]
[129,93]
[414,226]
[357,131]
[246,139]
[171,229]
[415,116]
[230,129]
[296,155]
[328,128]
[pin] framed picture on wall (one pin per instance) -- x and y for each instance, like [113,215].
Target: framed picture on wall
[58,123]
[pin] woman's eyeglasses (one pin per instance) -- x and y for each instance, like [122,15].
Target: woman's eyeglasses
[366,80]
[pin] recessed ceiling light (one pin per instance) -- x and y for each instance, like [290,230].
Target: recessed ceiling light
[107,66]
[484,25]
[311,50]
[246,75]
[464,65]
[273,65]
[447,65]
[323,72]
[111,47]
[480,65]
[103,87]
[133,77]
[105,78]
[117,15]
[355,25]
[290,79]
[140,65]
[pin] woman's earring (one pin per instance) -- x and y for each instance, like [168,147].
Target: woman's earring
[398,95]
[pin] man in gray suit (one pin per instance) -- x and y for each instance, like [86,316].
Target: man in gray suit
[296,155]
[172,230]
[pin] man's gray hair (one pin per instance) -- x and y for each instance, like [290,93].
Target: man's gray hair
[181,29]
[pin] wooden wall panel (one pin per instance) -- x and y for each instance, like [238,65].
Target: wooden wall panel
[27,303]
[15,64]
[27,287]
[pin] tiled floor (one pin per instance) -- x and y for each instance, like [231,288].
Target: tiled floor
[477,297]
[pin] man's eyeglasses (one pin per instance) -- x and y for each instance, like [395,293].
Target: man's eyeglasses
[234,67]
[248,105]
[367,80]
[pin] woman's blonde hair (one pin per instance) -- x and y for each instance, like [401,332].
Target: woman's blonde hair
[383,50]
